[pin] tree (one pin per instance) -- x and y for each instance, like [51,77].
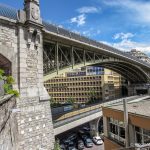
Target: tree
[8,83]
[92,98]
[70,100]
[56,145]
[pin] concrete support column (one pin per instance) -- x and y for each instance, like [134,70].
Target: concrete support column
[105,126]
[94,127]
[131,135]
[148,91]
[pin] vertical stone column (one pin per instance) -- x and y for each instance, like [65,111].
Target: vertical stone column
[34,119]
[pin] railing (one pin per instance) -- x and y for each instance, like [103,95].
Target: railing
[89,108]
[77,112]
[57,124]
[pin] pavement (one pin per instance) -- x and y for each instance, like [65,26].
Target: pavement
[96,147]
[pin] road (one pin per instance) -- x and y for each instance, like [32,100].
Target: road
[95,147]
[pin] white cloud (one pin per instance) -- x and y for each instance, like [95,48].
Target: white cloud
[138,10]
[88,9]
[80,20]
[91,32]
[123,36]
[127,45]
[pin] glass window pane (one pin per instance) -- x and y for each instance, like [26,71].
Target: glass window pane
[137,129]
[146,139]
[122,132]
[146,132]
[138,138]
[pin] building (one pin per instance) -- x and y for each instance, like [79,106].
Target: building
[140,55]
[84,85]
[138,125]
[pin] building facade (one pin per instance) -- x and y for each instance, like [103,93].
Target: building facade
[140,55]
[138,128]
[88,83]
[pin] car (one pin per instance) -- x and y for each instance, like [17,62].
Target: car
[72,137]
[80,144]
[71,146]
[97,140]
[84,137]
[88,142]
[86,129]
[62,147]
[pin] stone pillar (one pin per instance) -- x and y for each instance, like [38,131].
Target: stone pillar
[34,117]
[94,127]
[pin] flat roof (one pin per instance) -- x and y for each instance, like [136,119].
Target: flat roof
[136,107]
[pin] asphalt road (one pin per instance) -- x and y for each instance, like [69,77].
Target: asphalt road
[95,147]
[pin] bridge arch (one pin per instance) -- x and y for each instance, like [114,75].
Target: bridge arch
[60,58]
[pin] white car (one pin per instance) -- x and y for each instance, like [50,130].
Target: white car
[97,140]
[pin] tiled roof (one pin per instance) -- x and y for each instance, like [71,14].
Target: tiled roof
[8,12]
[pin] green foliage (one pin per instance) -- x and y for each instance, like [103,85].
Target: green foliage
[9,81]
[56,145]
[1,74]
[70,100]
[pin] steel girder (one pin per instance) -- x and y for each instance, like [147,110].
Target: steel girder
[58,57]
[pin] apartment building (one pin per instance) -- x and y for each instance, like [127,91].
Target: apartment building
[140,55]
[85,84]
[138,130]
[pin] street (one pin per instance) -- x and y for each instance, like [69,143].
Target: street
[95,147]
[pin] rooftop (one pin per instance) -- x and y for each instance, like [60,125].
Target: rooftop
[141,107]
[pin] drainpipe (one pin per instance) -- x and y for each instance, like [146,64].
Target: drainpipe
[126,123]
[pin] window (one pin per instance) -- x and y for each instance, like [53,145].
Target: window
[142,136]
[116,130]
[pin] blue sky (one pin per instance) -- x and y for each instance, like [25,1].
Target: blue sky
[124,24]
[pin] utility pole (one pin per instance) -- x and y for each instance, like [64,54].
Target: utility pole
[126,123]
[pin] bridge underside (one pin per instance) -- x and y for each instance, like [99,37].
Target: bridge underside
[60,58]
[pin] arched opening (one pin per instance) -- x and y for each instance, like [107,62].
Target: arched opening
[5,65]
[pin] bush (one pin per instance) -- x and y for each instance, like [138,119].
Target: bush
[8,82]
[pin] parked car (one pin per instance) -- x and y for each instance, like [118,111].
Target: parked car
[80,145]
[72,137]
[97,140]
[88,142]
[71,146]
[86,128]
[62,147]
[84,137]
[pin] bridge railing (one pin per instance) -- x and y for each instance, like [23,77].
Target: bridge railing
[76,112]
[88,109]
[59,123]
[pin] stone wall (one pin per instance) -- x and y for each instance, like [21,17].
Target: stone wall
[34,120]
[8,125]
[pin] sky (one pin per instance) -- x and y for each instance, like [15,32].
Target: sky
[124,24]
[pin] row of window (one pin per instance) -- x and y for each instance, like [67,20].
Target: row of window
[88,94]
[77,100]
[117,132]
[74,79]
[98,83]
[74,89]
